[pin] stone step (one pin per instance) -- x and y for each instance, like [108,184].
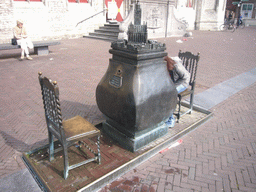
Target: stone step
[112,25]
[103,30]
[101,38]
[108,32]
[110,28]
[110,35]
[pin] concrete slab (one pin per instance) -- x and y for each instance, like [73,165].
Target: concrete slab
[20,181]
[224,90]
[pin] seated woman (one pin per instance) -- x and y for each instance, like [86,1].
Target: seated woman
[180,77]
[20,34]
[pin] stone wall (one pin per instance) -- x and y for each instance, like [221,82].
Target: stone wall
[160,18]
[56,19]
[249,22]
[212,14]
[155,15]
[6,23]
[50,19]
[168,18]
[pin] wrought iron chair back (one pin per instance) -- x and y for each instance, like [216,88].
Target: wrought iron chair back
[67,132]
[50,94]
[190,62]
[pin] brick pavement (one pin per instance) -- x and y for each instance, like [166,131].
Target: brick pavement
[78,66]
[218,156]
[113,157]
[22,116]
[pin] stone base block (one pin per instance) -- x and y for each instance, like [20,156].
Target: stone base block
[134,144]
[44,50]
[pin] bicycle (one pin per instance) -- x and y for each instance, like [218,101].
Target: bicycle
[184,25]
[241,24]
[228,26]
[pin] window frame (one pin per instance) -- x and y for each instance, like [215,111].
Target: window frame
[78,1]
[247,5]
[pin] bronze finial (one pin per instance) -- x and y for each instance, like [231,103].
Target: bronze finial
[54,82]
[40,73]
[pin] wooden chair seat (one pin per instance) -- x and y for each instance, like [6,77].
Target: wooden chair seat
[185,93]
[77,127]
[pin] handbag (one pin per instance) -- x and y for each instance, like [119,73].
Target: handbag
[14,41]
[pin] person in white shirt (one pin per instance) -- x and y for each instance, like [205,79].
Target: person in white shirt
[20,34]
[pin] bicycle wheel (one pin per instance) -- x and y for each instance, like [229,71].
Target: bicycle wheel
[231,28]
[223,27]
[182,27]
[242,25]
[186,25]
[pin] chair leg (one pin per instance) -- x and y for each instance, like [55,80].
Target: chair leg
[191,102]
[51,147]
[98,145]
[65,155]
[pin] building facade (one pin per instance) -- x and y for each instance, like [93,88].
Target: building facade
[56,19]
[167,18]
[51,19]
[246,9]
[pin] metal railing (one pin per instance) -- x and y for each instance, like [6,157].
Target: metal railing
[91,17]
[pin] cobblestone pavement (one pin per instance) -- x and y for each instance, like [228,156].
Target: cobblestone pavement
[218,155]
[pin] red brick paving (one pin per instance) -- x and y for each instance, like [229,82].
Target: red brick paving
[220,154]
[113,157]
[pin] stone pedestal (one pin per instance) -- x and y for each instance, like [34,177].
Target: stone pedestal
[136,94]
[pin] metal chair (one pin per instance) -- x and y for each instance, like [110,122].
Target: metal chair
[190,62]
[68,132]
